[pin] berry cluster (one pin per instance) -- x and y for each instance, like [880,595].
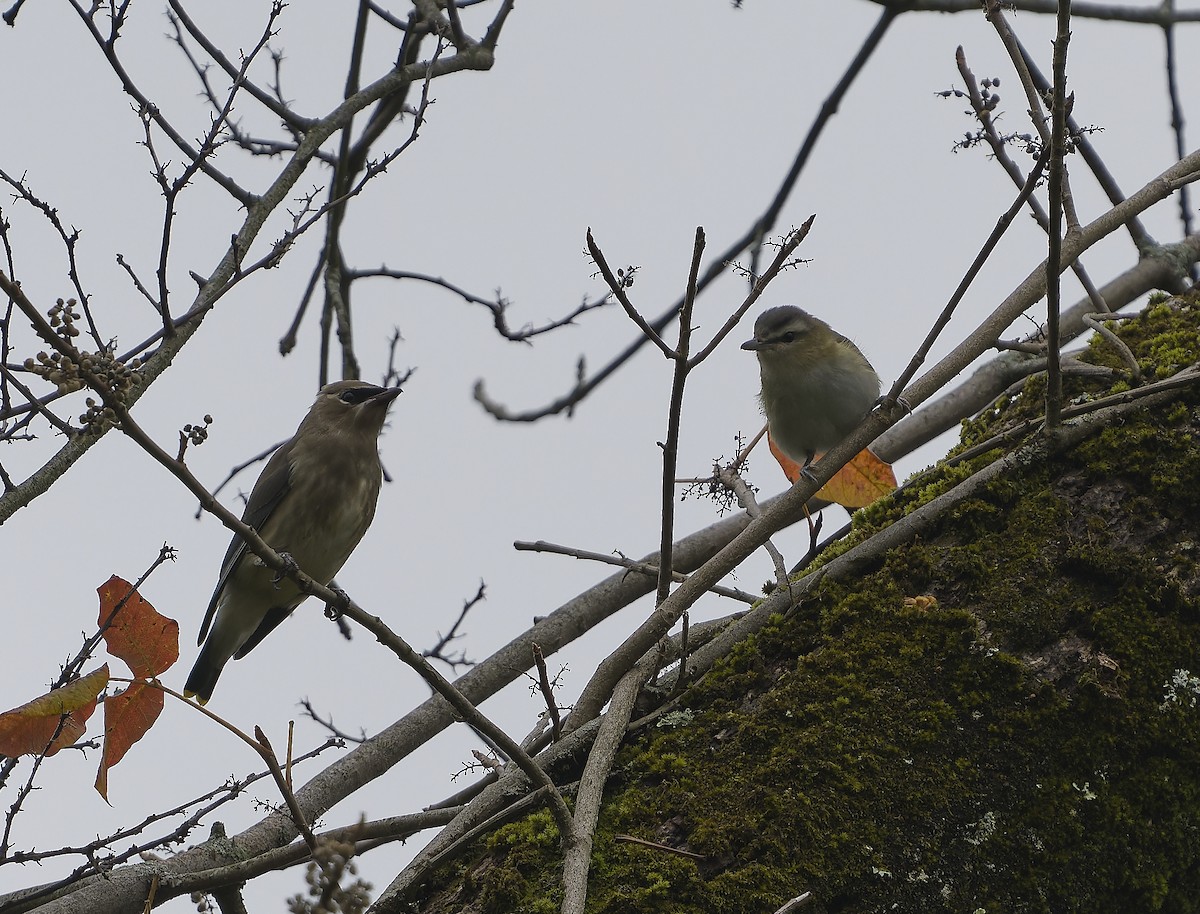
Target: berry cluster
[66,372]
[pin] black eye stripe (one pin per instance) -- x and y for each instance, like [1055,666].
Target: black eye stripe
[358,394]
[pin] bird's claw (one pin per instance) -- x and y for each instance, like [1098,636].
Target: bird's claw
[887,402]
[290,567]
[335,608]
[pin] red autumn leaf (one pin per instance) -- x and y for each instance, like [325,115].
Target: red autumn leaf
[857,484]
[127,717]
[32,728]
[136,632]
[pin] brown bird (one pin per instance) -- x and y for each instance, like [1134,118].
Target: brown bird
[314,500]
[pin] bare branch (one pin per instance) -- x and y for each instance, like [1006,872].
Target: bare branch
[1154,15]
[631,564]
[578,858]
[1177,122]
[498,306]
[617,286]
[755,235]
[1058,192]
[1002,225]
[670,447]
[547,690]
[438,651]
[179,16]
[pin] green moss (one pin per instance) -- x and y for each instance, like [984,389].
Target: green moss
[1002,744]
[1163,339]
[529,849]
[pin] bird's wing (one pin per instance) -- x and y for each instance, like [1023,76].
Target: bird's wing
[273,484]
[274,616]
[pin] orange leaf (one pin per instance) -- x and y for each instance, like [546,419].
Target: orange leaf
[127,717]
[860,482]
[857,484]
[51,721]
[136,632]
[791,469]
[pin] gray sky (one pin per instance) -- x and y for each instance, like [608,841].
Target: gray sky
[639,120]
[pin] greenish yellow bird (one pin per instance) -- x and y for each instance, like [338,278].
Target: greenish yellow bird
[314,500]
[816,384]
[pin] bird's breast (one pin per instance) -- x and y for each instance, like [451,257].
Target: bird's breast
[813,409]
[329,507]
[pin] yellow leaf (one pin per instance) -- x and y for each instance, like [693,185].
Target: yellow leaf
[51,721]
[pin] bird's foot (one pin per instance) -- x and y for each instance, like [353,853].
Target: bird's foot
[335,608]
[887,402]
[290,567]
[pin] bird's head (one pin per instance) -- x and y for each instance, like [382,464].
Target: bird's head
[788,332]
[352,406]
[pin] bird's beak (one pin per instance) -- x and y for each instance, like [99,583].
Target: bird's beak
[752,345]
[387,395]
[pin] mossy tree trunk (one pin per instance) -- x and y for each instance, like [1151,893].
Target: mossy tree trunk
[1001,716]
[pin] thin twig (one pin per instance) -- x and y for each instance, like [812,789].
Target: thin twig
[654,845]
[1000,154]
[674,419]
[1137,230]
[1098,322]
[1056,192]
[498,306]
[782,259]
[547,692]
[1177,121]
[734,482]
[283,781]
[755,235]
[964,284]
[617,288]
[650,570]
[438,650]
[745,452]
[285,113]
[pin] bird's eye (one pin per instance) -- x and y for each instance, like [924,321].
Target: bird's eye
[357,394]
[789,337]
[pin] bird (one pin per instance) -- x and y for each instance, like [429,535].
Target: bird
[314,500]
[816,384]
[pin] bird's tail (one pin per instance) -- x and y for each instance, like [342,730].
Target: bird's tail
[203,678]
